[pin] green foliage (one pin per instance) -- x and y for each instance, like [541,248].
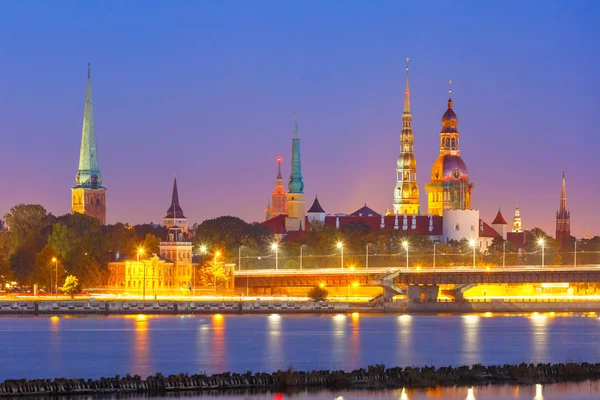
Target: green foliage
[211,274]
[71,286]
[318,293]
[22,219]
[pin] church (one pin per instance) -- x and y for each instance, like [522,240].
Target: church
[449,195]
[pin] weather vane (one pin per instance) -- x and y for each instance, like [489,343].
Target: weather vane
[450,89]
[407,63]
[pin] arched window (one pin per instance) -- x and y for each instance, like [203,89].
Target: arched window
[447,142]
[453,143]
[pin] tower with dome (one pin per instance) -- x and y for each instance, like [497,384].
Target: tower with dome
[449,188]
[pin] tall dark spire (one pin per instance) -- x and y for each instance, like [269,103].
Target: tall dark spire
[563,217]
[279,169]
[175,210]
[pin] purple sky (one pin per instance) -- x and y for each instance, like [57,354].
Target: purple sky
[208,89]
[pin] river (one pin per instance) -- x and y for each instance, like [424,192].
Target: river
[92,347]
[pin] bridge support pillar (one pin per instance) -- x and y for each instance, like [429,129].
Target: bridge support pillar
[422,294]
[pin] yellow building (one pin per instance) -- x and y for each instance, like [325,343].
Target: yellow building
[449,188]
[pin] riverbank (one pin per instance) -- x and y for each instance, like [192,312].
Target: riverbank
[374,377]
[119,307]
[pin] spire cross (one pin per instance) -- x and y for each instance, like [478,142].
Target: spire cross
[450,89]
[89,69]
[296,130]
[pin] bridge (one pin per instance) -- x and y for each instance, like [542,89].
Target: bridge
[418,281]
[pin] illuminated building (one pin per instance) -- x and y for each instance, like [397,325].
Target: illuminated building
[278,203]
[517,224]
[563,217]
[316,212]
[449,188]
[88,196]
[406,192]
[500,225]
[175,215]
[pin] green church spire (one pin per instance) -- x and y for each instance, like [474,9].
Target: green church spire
[296,185]
[88,174]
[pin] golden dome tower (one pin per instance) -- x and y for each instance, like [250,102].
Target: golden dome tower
[406,192]
[449,188]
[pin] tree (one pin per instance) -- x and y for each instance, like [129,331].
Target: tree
[22,219]
[212,274]
[71,286]
[151,243]
[318,293]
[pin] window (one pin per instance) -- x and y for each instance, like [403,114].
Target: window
[472,228]
[456,227]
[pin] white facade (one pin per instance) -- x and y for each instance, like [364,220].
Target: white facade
[460,224]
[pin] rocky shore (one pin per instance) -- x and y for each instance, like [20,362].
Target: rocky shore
[374,377]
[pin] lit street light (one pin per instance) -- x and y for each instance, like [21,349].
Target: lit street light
[140,252]
[434,243]
[55,261]
[275,248]
[542,242]
[473,244]
[217,254]
[503,253]
[240,258]
[301,247]
[340,246]
[367,256]
[405,245]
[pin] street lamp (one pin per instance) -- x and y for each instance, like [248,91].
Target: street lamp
[217,254]
[55,261]
[405,245]
[301,247]
[340,246]
[367,256]
[240,258]
[503,253]
[140,252]
[434,243]
[275,248]
[542,242]
[473,244]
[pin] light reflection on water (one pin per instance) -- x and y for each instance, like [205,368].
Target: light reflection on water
[92,347]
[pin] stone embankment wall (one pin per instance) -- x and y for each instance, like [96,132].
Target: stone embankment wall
[498,306]
[371,378]
[165,307]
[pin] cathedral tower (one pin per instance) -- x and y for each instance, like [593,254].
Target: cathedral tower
[449,188]
[88,196]
[517,225]
[295,197]
[278,204]
[175,215]
[563,217]
[406,192]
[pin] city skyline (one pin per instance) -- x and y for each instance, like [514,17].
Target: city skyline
[138,165]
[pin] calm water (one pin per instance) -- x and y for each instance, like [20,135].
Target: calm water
[91,347]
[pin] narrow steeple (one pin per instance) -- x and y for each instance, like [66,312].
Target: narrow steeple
[407,92]
[279,177]
[175,210]
[563,194]
[88,174]
[296,185]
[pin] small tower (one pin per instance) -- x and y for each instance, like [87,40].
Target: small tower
[278,203]
[316,212]
[499,225]
[295,196]
[88,196]
[175,215]
[563,217]
[517,225]
[406,192]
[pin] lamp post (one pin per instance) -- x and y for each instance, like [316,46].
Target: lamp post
[575,254]
[301,247]
[405,245]
[367,256]
[473,244]
[434,243]
[503,253]
[203,250]
[542,242]
[140,252]
[217,254]
[275,248]
[240,258]
[55,261]
[340,246]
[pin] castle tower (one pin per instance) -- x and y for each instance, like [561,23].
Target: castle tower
[88,196]
[500,225]
[175,215]
[278,204]
[517,225]
[406,192]
[295,197]
[563,217]
[449,188]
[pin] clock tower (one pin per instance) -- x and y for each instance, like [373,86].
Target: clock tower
[89,196]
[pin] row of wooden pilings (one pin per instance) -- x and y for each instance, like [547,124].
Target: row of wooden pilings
[371,378]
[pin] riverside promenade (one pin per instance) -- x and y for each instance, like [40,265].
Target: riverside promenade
[179,307]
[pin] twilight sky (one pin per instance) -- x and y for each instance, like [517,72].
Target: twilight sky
[208,89]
